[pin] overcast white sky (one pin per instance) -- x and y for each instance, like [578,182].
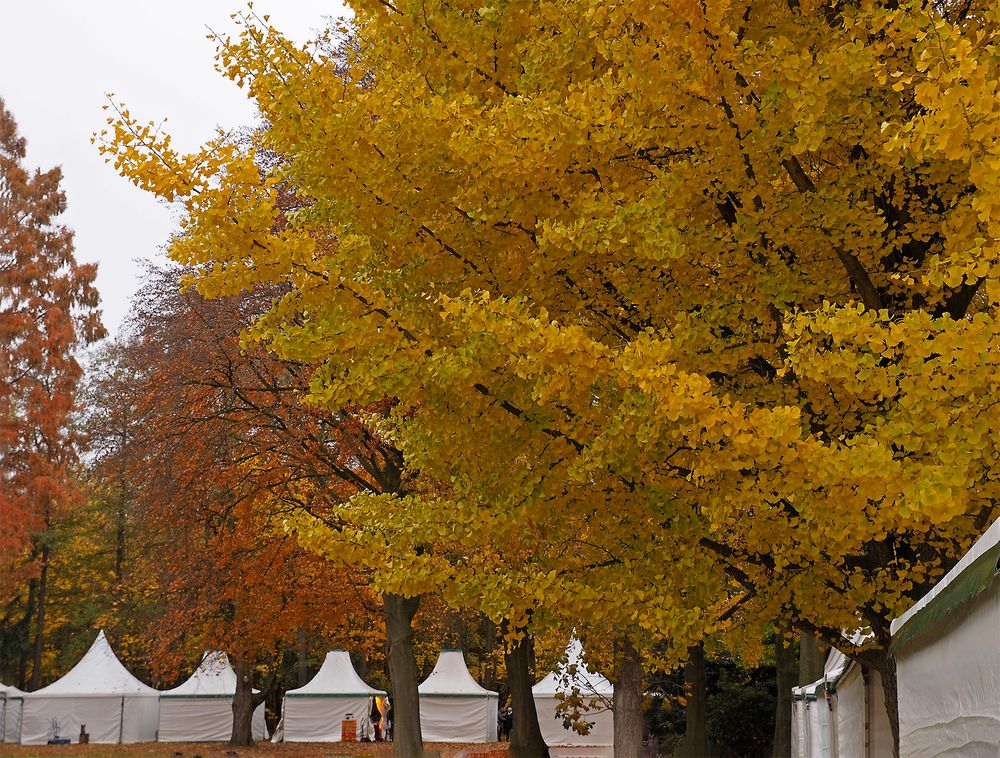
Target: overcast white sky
[58,58]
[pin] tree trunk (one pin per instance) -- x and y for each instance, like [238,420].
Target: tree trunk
[24,635]
[886,667]
[41,599]
[526,736]
[243,706]
[398,612]
[120,534]
[302,652]
[695,731]
[811,659]
[490,637]
[627,708]
[785,672]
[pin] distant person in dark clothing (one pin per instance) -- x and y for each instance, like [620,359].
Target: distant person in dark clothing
[508,723]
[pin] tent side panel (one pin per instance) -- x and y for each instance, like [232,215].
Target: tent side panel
[456,719]
[850,713]
[815,730]
[140,716]
[101,715]
[949,685]
[202,719]
[880,733]
[556,735]
[12,720]
[798,728]
[807,730]
[492,714]
[820,727]
[319,719]
[195,719]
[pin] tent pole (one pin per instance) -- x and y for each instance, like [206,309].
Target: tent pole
[866,677]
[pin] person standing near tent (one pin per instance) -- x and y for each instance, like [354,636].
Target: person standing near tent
[388,720]
[376,717]
[508,723]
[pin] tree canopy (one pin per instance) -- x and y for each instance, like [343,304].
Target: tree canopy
[702,295]
[48,311]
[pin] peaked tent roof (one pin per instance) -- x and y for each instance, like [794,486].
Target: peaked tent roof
[336,677]
[562,680]
[99,672]
[837,664]
[974,573]
[214,677]
[451,677]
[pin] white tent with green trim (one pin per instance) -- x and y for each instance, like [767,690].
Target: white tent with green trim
[814,712]
[453,707]
[98,692]
[947,649]
[201,709]
[572,678]
[842,714]
[316,711]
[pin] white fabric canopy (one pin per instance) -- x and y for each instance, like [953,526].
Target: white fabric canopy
[949,673]
[315,711]
[597,691]
[98,692]
[453,707]
[201,709]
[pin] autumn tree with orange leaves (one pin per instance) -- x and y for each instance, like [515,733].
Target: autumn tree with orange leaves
[223,449]
[48,310]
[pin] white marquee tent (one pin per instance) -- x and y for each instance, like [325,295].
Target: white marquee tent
[833,716]
[315,711]
[201,709]
[453,707]
[572,675]
[947,649]
[98,692]
[948,675]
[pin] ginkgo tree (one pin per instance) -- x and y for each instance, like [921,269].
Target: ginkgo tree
[728,270]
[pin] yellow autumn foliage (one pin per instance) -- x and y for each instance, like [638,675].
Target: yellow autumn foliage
[683,304]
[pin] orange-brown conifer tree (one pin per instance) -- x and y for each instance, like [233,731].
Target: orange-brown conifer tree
[48,310]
